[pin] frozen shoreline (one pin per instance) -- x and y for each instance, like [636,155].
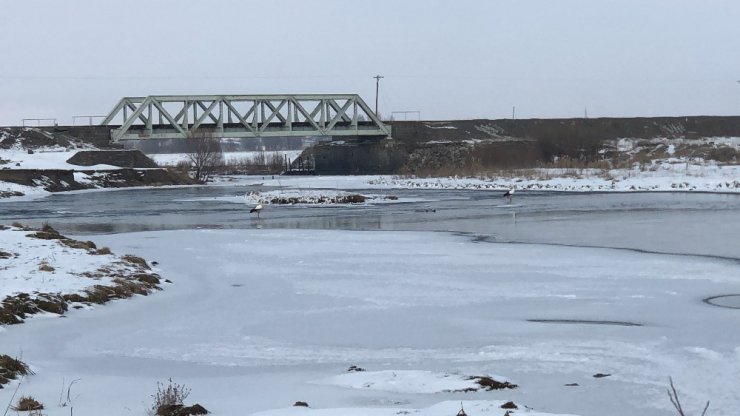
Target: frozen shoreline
[272,312]
[726,181]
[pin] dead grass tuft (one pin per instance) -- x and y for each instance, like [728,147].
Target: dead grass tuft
[135,260]
[84,245]
[45,267]
[45,235]
[27,403]
[103,251]
[150,279]
[11,368]
[14,309]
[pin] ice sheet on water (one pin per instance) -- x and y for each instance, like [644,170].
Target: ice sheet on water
[277,302]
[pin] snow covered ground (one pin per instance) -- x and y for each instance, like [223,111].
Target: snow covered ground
[45,158]
[406,381]
[666,174]
[259,319]
[20,272]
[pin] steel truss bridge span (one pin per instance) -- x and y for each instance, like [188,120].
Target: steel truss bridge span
[236,116]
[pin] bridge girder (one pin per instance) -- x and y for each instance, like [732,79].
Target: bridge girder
[233,116]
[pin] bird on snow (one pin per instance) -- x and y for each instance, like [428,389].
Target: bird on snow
[256,209]
[509,194]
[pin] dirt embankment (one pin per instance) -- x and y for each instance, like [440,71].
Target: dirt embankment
[56,180]
[136,168]
[469,146]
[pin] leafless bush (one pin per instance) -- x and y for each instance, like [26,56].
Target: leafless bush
[204,153]
[263,163]
[171,394]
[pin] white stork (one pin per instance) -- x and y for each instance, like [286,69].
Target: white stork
[256,209]
[509,194]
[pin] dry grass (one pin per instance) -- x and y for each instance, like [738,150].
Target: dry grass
[84,245]
[45,267]
[127,281]
[11,368]
[103,251]
[135,260]
[14,309]
[27,403]
[567,162]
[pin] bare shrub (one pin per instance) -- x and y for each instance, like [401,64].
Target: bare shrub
[172,394]
[262,163]
[182,166]
[204,153]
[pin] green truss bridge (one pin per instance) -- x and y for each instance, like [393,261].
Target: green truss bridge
[236,116]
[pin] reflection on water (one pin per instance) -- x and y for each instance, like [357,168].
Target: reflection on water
[698,223]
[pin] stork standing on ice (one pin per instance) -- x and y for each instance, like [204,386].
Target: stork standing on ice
[509,194]
[256,209]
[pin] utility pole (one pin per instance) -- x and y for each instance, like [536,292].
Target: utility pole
[377,88]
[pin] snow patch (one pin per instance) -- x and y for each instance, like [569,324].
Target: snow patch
[406,381]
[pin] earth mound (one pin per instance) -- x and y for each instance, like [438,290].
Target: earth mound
[120,158]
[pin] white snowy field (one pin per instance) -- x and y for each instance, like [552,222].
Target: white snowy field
[259,319]
[45,158]
[667,176]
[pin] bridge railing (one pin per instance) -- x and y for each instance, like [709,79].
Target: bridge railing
[175,116]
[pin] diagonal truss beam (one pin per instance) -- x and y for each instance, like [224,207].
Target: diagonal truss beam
[266,115]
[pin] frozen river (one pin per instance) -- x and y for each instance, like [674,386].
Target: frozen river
[689,223]
[265,312]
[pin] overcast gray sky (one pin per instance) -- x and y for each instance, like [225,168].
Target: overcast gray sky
[447,59]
